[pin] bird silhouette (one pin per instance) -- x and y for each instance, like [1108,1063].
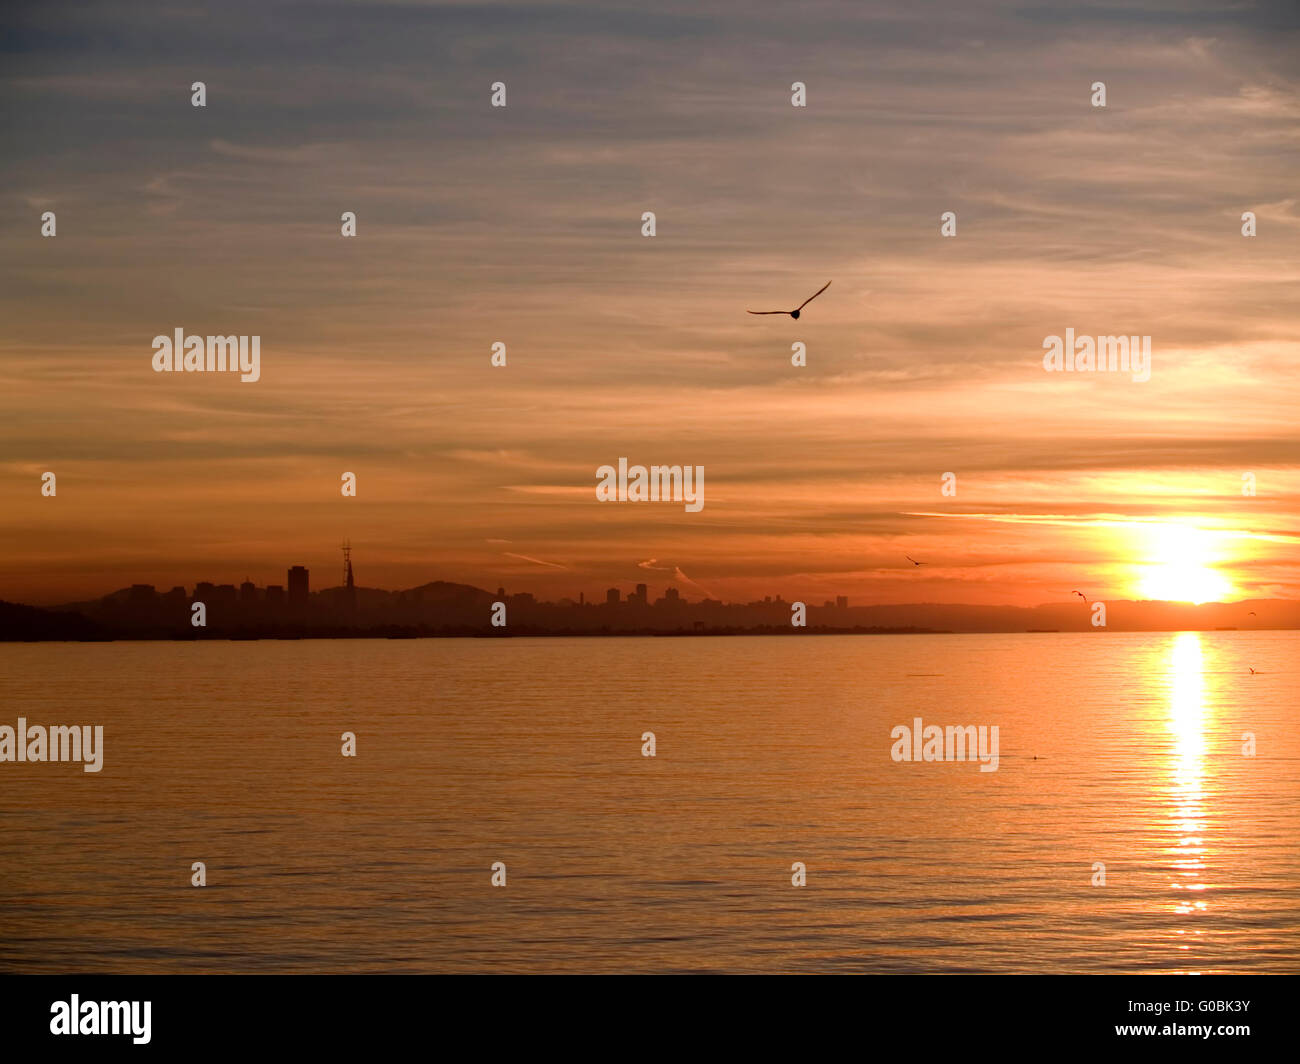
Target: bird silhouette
[1252,671]
[911,559]
[1251,614]
[1081,595]
[794,313]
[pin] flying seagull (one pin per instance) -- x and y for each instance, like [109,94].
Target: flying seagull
[794,313]
[911,559]
[1252,671]
[1081,595]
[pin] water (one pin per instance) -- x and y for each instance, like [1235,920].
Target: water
[770,751]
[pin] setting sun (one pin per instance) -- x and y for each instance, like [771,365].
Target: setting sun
[1179,570]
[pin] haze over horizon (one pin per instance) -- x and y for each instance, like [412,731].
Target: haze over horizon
[522,225]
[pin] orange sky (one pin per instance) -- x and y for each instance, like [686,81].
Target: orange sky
[522,225]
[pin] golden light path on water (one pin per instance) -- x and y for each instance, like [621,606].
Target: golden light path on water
[1187,713]
[1117,749]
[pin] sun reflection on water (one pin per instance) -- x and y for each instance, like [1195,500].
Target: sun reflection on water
[1187,770]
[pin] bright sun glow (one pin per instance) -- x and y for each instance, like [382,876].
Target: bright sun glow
[1180,569]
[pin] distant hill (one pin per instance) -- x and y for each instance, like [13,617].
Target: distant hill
[442,591]
[22,623]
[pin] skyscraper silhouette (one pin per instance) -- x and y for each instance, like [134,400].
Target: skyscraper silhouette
[298,586]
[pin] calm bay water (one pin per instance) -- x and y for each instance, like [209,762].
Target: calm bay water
[1119,748]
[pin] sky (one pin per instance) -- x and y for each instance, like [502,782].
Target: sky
[523,225]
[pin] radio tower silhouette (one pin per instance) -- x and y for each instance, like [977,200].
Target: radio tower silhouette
[349,589]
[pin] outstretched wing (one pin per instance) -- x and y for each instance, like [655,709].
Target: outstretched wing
[767,312]
[813,296]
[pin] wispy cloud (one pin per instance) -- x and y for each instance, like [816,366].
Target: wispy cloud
[535,561]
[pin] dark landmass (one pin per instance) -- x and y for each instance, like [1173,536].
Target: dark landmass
[29,624]
[442,609]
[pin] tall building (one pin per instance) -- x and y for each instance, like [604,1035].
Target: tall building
[611,597]
[842,602]
[641,595]
[298,585]
[247,591]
